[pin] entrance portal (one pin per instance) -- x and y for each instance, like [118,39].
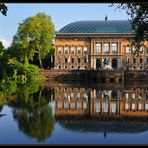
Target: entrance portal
[98,64]
[114,64]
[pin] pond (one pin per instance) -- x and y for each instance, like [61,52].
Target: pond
[74,113]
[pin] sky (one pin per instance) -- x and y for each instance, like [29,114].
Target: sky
[61,14]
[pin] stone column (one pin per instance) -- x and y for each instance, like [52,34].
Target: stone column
[94,63]
[110,107]
[102,108]
[121,62]
[94,93]
[94,47]
[91,48]
[118,48]
[91,102]
[118,63]
[110,64]
[102,62]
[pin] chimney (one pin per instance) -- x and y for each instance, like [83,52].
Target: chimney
[106,18]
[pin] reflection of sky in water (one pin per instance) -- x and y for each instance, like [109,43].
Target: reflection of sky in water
[79,131]
[61,135]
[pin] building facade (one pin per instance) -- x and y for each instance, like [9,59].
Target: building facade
[98,45]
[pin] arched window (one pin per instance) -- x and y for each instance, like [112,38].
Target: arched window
[106,47]
[98,48]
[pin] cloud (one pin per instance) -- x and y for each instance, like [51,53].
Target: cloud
[6,43]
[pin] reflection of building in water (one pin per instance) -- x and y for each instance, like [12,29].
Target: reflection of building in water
[98,103]
[71,101]
[135,102]
[105,102]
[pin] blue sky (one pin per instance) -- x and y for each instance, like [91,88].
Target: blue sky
[61,15]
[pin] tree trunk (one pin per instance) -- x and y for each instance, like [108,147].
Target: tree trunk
[40,61]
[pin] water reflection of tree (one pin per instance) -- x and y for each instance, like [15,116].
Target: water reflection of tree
[32,111]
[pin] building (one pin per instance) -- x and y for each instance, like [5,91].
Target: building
[100,44]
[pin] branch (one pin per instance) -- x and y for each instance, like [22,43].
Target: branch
[3,9]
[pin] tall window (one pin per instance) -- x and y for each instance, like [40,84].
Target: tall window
[114,47]
[133,49]
[72,50]
[127,59]
[133,95]
[146,60]
[72,60]
[106,47]
[79,60]
[140,60]
[141,50]
[126,96]
[85,60]
[98,48]
[79,50]
[134,60]
[127,49]
[66,50]
[66,60]
[85,50]
[59,50]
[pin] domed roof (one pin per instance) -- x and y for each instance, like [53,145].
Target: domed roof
[100,26]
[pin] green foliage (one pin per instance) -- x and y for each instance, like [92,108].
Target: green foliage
[32,111]
[38,123]
[3,9]
[33,72]
[1,48]
[138,13]
[21,72]
[30,108]
[52,50]
[15,51]
[35,35]
[2,100]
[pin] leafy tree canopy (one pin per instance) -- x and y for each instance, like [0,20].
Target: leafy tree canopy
[36,35]
[1,47]
[3,9]
[138,13]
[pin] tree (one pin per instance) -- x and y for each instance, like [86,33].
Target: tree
[15,51]
[32,112]
[1,47]
[36,35]
[139,21]
[3,9]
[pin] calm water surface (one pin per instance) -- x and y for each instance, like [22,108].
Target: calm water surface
[66,113]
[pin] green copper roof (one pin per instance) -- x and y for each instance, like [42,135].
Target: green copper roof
[114,26]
